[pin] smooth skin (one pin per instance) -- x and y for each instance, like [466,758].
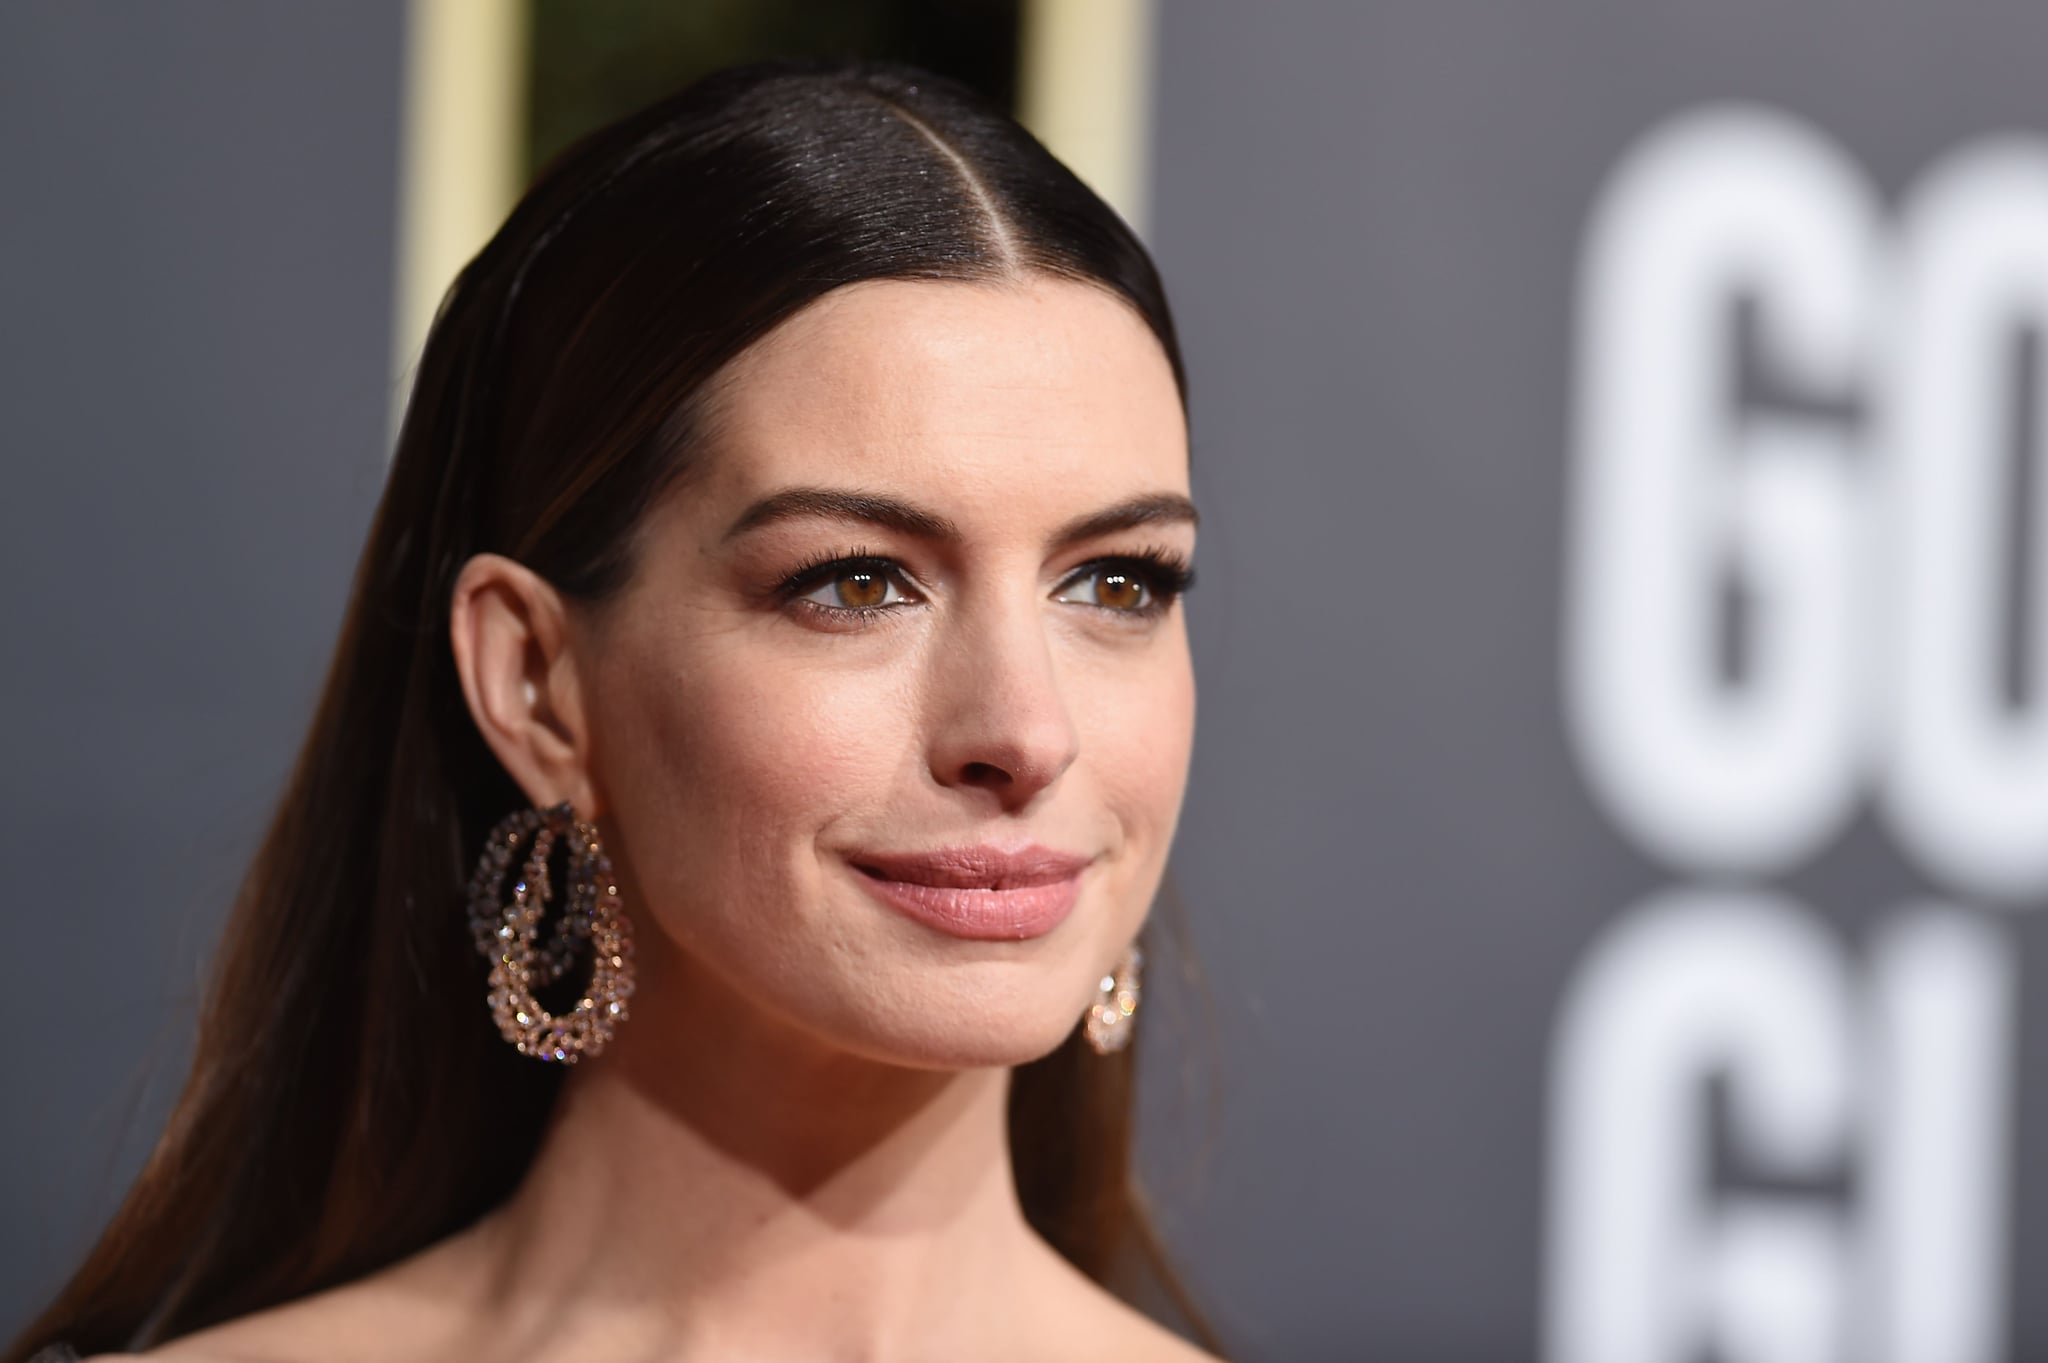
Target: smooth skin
[796,1150]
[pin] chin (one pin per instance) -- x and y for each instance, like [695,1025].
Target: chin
[967,1030]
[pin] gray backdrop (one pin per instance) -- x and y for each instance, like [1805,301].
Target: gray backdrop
[195,280]
[1619,815]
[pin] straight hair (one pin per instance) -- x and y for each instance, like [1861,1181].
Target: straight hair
[349,1100]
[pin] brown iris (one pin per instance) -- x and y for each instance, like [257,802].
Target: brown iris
[862,588]
[1118,591]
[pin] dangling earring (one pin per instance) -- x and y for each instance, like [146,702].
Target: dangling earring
[1112,1016]
[508,935]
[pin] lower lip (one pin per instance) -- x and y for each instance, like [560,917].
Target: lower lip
[980,915]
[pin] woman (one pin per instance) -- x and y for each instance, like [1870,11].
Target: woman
[753,746]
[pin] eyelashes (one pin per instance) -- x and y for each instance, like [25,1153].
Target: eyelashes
[867,586]
[1146,583]
[861,587]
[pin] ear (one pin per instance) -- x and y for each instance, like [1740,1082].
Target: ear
[511,634]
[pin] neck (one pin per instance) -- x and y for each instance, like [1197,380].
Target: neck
[719,1184]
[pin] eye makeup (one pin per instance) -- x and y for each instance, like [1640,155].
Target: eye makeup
[1157,575]
[864,570]
[1138,586]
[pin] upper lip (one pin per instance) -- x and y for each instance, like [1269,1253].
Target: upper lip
[982,866]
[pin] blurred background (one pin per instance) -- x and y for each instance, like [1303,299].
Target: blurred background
[1619,824]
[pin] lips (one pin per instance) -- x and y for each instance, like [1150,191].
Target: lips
[982,892]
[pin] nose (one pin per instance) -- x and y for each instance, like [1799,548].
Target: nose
[1000,721]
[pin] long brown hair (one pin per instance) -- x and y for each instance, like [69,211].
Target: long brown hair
[350,1101]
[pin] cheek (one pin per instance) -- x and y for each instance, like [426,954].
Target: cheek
[741,760]
[1136,718]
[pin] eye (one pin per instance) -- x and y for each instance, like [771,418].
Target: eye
[854,584]
[1144,585]
[1117,589]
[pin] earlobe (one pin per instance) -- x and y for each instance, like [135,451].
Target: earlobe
[508,630]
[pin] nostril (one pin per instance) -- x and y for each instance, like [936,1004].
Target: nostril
[984,773]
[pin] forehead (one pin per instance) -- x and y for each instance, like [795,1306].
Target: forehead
[967,391]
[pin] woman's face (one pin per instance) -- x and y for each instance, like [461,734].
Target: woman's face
[889,732]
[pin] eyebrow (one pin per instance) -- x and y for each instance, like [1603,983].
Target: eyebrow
[1152,508]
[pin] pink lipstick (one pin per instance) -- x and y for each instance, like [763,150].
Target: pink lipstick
[983,892]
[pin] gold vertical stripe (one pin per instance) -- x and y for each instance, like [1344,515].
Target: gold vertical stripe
[1085,90]
[459,155]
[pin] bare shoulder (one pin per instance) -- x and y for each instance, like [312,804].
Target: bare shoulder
[283,1334]
[1146,1341]
[178,1351]
[167,1352]
[266,1337]
[382,1316]
[213,1346]
[1095,1324]
[1163,1346]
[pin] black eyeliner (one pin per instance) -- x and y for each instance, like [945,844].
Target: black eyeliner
[1165,573]
[819,570]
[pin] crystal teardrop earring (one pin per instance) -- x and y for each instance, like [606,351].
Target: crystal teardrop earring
[508,935]
[1112,1015]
